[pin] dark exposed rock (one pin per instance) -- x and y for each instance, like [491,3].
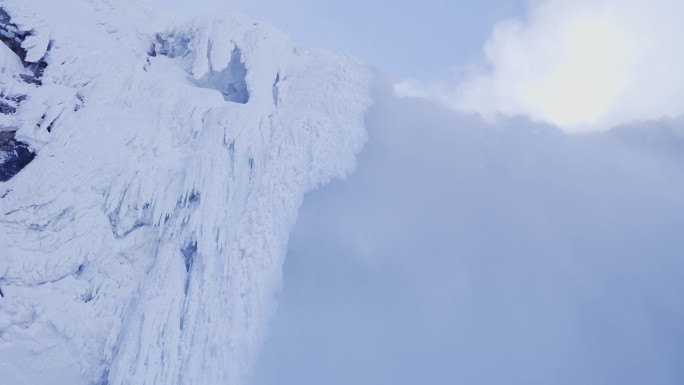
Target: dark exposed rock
[35,80]
[171,45]
[10,103]
[14,155]
[11,35]
[6,108]
[13,38]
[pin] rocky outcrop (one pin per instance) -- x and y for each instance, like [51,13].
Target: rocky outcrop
[14,38]
[15,154]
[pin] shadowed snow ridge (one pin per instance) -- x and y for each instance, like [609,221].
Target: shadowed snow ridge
[143,243]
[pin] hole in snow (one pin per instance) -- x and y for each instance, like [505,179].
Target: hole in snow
[189,251]
[275,90]
[230,81]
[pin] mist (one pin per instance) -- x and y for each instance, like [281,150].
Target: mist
[462,252]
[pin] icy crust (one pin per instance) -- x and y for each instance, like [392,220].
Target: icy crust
[144,242]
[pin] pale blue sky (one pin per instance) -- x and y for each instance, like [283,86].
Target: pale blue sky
[406,38]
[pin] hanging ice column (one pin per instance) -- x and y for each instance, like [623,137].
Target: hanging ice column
[147,237]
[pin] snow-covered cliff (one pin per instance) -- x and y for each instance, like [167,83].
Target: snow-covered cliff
[164,166]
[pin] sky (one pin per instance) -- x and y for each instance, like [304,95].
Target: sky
[582,65]
[515,217]
[460,252]
[406,39]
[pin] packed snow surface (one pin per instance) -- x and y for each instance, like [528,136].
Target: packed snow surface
[143,243]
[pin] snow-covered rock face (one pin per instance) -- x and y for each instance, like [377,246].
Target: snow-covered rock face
[19,78]
[143,243]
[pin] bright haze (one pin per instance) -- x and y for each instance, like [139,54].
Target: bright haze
[581,65]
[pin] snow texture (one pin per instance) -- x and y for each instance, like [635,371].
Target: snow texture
[145,240]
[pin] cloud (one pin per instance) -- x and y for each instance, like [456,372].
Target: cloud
[579,64]
[463,253]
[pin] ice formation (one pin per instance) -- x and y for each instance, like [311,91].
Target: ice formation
[151,173]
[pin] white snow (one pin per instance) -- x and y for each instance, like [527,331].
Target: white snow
[145,241]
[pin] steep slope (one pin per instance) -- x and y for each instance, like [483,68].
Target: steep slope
[144,241]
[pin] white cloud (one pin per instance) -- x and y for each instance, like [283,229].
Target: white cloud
[578,64]
[457,247]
